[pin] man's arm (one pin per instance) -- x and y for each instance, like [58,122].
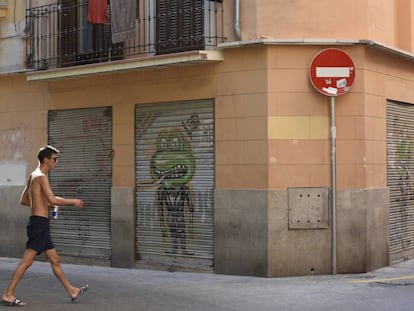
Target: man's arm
[54,200]
[24,198]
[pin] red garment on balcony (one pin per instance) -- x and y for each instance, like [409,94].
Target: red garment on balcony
[98,11]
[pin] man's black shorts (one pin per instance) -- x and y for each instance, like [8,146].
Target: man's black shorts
[38,234]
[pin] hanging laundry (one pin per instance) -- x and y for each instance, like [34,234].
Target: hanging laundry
[123,16]
[98,11]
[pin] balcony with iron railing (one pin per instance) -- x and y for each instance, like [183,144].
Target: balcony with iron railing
[67,33]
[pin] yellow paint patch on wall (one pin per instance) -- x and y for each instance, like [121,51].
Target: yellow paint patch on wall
[298,127]
[319,127]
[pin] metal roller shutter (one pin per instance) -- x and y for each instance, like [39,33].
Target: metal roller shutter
[400,171]
[175,184]
[84,171]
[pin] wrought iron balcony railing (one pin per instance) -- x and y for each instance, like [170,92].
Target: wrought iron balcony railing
[60,34]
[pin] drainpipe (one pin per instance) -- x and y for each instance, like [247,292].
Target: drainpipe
[27,7]
[236,18]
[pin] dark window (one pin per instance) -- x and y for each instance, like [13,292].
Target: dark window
[180,25]
[81,42]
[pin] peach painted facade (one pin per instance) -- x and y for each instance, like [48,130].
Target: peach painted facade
[271,129]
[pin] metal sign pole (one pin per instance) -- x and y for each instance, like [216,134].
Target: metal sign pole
[332,73]
[333,180]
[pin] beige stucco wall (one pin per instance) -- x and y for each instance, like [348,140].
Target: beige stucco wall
[241,120]
[299,119]
[386,21]
[22,118]
[312,19]
[278,128]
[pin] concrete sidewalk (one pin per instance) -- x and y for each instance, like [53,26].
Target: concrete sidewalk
[388,288]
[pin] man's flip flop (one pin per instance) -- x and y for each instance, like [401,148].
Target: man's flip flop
[15,303]
[82,291]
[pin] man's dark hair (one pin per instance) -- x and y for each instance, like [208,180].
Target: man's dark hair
[46,152]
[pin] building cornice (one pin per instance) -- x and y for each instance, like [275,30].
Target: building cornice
[322,42]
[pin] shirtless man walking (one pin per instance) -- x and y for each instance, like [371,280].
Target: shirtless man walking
[39,196]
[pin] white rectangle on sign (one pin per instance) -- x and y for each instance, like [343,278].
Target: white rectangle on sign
[332,72]
[330,90]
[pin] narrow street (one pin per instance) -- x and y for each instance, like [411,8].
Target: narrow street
[389,288]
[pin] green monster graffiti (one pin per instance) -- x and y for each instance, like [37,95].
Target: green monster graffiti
[172,166]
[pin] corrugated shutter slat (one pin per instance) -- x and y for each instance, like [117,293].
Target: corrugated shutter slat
[84,171]
[175,171]
[400,170]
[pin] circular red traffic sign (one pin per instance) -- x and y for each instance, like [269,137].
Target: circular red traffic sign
[332,72]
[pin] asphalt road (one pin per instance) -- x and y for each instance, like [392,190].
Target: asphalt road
[389,288]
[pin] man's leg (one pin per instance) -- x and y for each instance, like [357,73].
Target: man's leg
[57,270]
[27,260]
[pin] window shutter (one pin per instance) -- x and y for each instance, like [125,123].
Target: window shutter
[193,24]
[180,25]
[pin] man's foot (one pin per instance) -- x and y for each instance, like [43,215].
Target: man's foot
[82,291]
[14,302]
